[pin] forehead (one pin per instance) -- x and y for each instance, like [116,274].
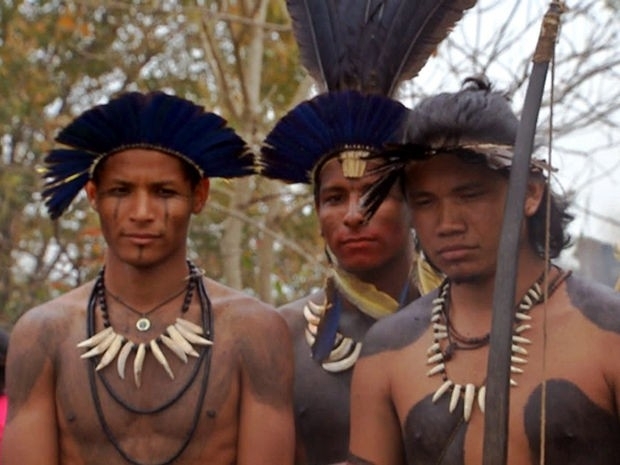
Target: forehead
[332,171]
[140,162]
[447,171]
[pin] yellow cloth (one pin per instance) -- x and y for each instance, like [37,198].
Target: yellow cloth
[428,277]
[365,296]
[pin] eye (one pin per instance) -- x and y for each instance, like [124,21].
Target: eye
[118,191]
[472,194]
[421,201]
[332,198]
[166,192]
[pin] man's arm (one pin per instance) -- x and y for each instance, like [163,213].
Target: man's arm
[267,428]
[30,434]
[375,429]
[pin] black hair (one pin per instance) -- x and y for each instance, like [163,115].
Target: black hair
[476,114]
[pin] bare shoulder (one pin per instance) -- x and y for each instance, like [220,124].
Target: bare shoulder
[293,312]
[400,329]
[38,337]
[52,320]
[260,339]
[242,313]
[598,303]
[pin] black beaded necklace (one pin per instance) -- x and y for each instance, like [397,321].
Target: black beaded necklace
[205,356]
[144,323]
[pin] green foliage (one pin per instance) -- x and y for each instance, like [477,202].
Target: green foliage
[58,58]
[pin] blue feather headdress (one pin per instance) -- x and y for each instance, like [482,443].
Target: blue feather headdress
[156,121]
[358,51]
[331,124]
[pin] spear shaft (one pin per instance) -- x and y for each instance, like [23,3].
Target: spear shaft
[495,447]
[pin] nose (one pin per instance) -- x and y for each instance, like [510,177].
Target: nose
[353,217]
[450,219]
[142,207]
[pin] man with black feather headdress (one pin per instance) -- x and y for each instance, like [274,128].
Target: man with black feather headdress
[151,362]
[418,394]
[358,52]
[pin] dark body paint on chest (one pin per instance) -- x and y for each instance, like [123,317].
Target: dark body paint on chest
[321,401]
[578,431]
[321,409]
[433,435]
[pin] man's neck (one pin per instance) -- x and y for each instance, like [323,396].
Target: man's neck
[145,284]
[478,293]
[392,278]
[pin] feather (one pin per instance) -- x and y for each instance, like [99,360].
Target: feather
[316,28]
[317,128]
[378,191]
[370,45]
[154,121]
[401,35]
[328,329]
[396,158]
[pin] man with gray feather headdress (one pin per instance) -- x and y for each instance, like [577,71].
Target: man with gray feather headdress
[419,391]
[358,53]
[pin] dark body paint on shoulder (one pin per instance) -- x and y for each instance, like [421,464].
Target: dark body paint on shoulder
[578,431]
[401,329]
[599,304]
[433,435]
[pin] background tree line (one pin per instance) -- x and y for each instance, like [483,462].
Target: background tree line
[239,58]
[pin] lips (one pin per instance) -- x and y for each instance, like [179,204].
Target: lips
[356,241]
[454,252]
[141,238]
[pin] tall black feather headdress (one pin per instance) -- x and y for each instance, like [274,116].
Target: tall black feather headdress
[358,51]
[156,121]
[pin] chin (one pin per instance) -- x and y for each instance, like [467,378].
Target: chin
[464,279]
[144,260]
[462,275]
[358,267]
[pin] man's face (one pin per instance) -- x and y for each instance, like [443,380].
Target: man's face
[144,200]
[457,209]
[361,248]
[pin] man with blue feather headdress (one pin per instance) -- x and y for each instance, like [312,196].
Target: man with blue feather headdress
[358,52]
[151,362]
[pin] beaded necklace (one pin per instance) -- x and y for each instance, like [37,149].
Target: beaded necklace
[204,356]
[180,337]
[443,331]
[144,323]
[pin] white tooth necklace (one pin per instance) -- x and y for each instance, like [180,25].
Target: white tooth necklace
[443,331]
[109,345]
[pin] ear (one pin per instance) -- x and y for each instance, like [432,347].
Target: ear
[91,193]
[201,194]
[533,196]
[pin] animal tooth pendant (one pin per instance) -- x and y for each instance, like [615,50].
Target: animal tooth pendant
[180,340]
[438,358]
[345,350]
